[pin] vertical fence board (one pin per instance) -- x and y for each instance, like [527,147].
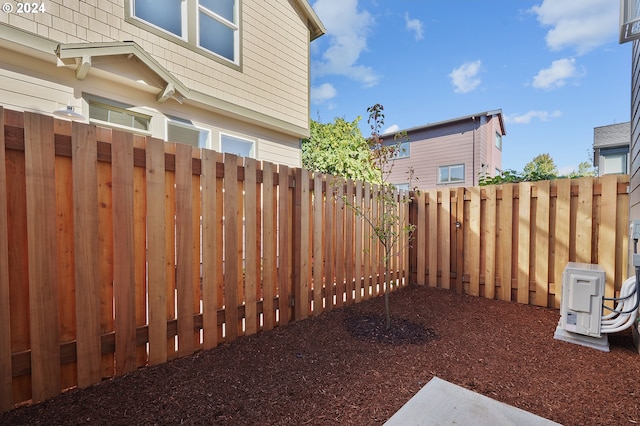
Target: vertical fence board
[64,255]
[220,240]
[460,240]
[105,252]
[524,235]
[432,199]
[301,244]
[184,249]
[474,241]
[542,244]
[87,291]
[505,231]
[209,250]
[41,242]
[421,238]
[283,245]
[170,247]
[269,249]
[358,248]
[366,242]
[239,235]
[6,387]
[445,239]
[349,243]
[562,230]
[318,231]
[338,228]
[584,220]
[607,231]
[196,257]
[251,254]
[329,234]
[123,252]
[230,247]
[490,243]
[156,257]
[140,248]
[375,242]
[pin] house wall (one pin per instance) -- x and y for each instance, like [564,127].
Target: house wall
[634,180]
[494,154]
[268,92]
[461,142]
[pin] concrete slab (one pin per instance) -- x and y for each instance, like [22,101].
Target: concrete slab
[442,403]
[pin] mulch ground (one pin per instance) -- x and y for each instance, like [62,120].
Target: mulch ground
[343,367]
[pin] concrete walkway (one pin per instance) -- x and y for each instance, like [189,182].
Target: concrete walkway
[442,403]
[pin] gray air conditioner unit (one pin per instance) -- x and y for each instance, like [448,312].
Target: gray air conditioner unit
[581,306]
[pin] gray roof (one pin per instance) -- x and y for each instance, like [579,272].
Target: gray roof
[491,113]
[613,135]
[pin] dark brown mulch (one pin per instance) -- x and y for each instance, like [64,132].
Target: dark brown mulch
[329,370]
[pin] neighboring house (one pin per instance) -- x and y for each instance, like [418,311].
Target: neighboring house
[454,152]
[611,148]
[231,76]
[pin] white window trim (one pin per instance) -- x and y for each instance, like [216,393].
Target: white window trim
[232,25]
[115,105]
[450,182]
[253,153]
[191,126]
[190,37]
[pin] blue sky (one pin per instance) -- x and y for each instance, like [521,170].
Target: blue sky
[554,67]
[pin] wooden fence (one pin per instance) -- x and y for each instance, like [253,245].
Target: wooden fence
[512,242]
[118,251]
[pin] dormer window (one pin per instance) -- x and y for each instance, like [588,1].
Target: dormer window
[209,25]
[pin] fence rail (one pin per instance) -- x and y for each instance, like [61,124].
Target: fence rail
[512,242]
[118,251]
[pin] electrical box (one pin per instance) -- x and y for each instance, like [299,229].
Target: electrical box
[582,293]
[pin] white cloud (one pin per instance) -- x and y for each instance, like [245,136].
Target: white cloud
[465,78]
[556,75]
[582,25]
[527,117]
[414,25]
[322,93]
[347,32]
[391,129]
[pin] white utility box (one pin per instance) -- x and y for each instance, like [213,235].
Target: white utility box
[581,306]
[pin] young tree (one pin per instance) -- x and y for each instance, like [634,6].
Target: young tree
[386,225]
[585,169]
[541,167]
[338,149]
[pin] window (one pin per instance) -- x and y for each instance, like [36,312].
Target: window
[403,151]
[402,186]
[116,114]
[451,174]
[183,131]
[238,146]
[499,141]
[211,25]
[613,161]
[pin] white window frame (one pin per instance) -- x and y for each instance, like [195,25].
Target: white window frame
[172,121]
[190,19]
[449,167]
[252,150]
[499,141]
[116,107]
